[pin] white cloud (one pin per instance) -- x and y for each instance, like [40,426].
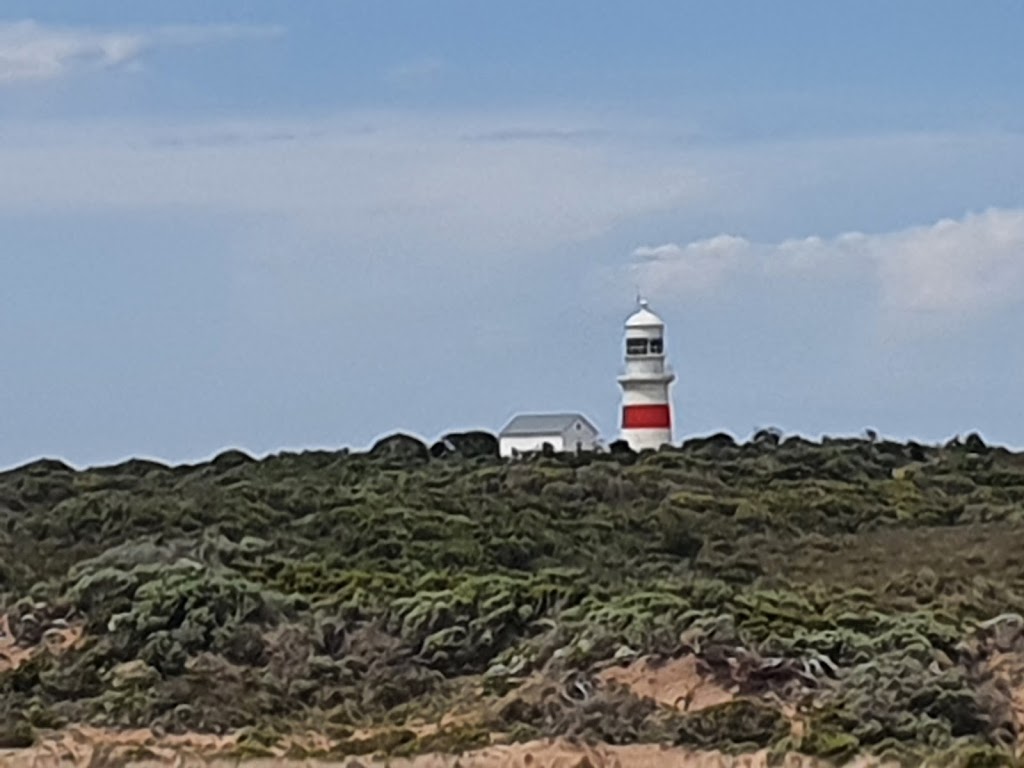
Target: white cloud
[30,51]
[426,189]
[954,266]
[969,264]
[696,266]
[405,182]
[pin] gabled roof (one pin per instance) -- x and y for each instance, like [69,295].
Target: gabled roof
[543,424]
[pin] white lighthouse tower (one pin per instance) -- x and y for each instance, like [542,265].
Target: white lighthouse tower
[646,405]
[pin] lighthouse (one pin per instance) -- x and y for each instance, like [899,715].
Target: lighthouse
[646,406]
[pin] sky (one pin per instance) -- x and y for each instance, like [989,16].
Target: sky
[277,226]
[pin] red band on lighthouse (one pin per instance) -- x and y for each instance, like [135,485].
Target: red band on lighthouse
[646,417]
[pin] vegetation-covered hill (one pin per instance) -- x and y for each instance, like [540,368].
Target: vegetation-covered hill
[837,598]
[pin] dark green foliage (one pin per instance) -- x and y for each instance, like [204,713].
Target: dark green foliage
[399,449]
[16,735]
[831,744]
[576,710]
[678,531]
[450,740]
[386,742]
[866,585]
[620,448]
[735,724]
[466,445]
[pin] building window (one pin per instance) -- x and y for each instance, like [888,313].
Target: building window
[656,346]
[636,346]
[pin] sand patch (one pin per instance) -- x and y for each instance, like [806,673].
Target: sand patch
[679,683]
[1008,668]
[12,655]
[556,753]
[101,747]
[56,640]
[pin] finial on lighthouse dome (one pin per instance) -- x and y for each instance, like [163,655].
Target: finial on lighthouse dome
[644,317]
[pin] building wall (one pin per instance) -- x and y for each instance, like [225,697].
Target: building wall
[584,437]
[527,443]
[647,439]
[646,400]
[645,332]
[638,392]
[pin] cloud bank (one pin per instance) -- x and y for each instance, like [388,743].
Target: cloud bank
[390,181]
[954,266]
[403,188]
[30,51]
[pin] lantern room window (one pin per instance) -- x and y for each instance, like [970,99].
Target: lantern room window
[656,347]
[636,346]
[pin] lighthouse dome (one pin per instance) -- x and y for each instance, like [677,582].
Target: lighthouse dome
[644,318]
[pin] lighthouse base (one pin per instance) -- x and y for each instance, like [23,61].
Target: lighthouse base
[647,439]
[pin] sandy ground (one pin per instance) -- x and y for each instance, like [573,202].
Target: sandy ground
[77,751]
[1009,668]
[560,754]
[55,641]
[11,655]
[677,683]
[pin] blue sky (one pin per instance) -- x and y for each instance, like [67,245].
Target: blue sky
[276,225]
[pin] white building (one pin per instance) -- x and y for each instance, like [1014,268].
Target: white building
[646,403]
[569,432]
